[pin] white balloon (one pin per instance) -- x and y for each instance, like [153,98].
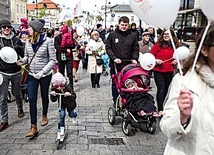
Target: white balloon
[8,55]
[159,13]
[1,79]
[207,8]
[181,52]
[80,30]
[92,45]
[147,61]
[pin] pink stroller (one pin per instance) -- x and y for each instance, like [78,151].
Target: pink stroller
[132,84]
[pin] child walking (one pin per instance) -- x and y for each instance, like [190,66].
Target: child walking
[60,84]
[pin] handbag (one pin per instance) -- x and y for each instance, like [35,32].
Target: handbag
[26,69]
[25,75]
[99,62]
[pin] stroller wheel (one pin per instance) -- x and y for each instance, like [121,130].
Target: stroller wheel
[151,127]
[111,115]
[126,127]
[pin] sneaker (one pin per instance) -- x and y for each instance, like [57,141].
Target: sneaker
[62,130]
[21,113]
[74,121]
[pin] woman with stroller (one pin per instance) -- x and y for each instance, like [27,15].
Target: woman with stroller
[60,84]
[40,54]
[163,71]
[189,111]
[93,55]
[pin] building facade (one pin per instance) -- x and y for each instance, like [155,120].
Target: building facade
[5,9]
[45,9]
[190,14]
[18,10]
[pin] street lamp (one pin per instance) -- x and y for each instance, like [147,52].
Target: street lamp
[106,5]
[36,8]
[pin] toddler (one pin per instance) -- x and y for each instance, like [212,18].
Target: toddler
[131,84]
[60,84]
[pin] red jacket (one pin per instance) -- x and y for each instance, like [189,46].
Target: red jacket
[163,53]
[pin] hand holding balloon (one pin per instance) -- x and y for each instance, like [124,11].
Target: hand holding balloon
[147,61]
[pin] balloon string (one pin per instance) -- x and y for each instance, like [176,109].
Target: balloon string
[176,56]
[168,59]
[198,51]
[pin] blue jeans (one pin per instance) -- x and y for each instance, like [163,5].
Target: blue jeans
[113,87]
[32,88]
[63,114]
[15,80]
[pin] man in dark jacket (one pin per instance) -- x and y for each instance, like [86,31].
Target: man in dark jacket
[10,72]
[64,53]
[121,45]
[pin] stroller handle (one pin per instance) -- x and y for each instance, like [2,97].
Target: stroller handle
[122,60]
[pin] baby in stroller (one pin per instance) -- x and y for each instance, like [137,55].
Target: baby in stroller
[141,103]
[134,104]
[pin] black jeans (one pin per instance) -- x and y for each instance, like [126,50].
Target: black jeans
[69,68]
[162,81]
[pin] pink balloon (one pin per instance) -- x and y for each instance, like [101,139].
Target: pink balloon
[159,13]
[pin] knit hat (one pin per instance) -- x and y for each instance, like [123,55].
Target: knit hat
[99,25]
[5,22]
[37,24]
[145,33]
[58,79]
[24,32]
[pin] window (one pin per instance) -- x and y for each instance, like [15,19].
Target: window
[132,18]
[17,8]
[20,8]
[24,9]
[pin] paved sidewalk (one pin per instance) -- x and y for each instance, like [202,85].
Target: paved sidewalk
[93,124]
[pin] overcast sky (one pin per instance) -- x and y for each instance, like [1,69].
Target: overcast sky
[87,5]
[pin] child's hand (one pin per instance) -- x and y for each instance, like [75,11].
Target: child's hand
[53,93]
[67,94]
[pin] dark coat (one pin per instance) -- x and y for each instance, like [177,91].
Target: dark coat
[68,102]
[122,45]
[137,102]
[17,45]
[60,50]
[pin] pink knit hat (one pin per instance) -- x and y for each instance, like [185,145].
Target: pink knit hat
[58,79]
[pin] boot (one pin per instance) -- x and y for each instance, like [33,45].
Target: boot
[93,82]
[44,120]
[98,80]
[33,131]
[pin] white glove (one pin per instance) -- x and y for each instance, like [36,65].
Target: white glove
[38,75]
[53,93]
[67,94]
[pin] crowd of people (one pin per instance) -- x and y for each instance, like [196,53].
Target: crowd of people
[50,53]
